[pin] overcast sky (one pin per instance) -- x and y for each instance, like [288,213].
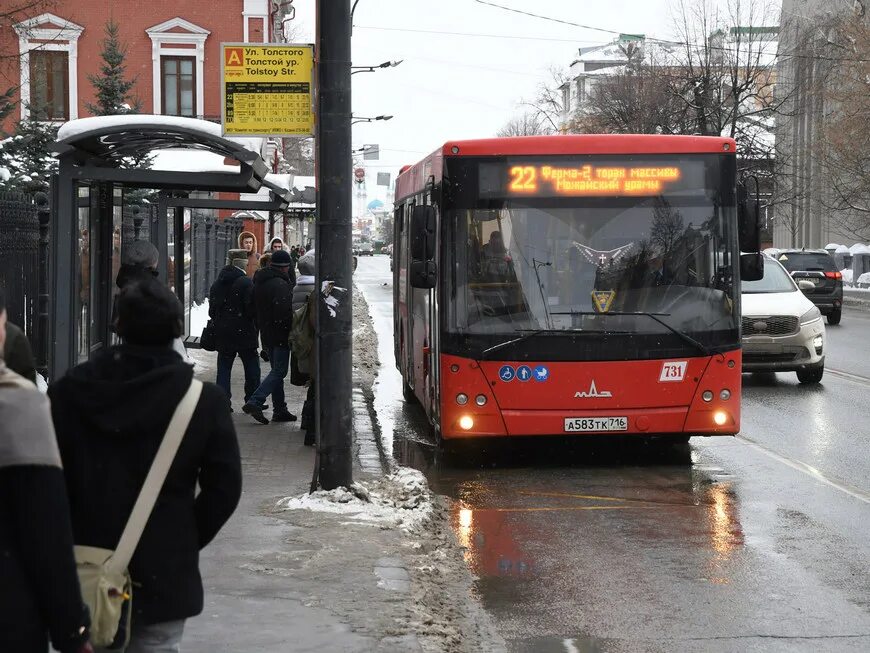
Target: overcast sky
[467,66]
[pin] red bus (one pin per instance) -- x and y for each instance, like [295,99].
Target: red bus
[577,284]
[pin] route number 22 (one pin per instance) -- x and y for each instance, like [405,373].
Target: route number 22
[523,179]
[673,371]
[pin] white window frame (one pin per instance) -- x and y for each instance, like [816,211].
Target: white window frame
[162,41]
[61,39]
[255,9]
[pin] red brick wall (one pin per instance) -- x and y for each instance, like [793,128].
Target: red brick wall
[223,19]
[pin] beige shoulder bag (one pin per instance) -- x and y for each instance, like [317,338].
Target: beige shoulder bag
[103,575]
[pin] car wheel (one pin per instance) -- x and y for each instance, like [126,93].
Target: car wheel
[811,374]
[835,315]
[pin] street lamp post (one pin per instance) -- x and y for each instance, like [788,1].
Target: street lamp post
[334,262]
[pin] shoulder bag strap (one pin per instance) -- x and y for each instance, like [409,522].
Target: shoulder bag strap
[154,481]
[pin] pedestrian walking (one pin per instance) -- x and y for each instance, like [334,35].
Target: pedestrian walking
[273,295]
[111,415]
[140,264]
[18,354]
[276,244]
[248,242]
[301,292]
[39,590]
[231,308]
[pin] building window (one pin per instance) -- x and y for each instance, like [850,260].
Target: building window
[49,84]
[581,91]
[178,86]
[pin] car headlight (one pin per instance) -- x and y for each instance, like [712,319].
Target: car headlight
[813,314]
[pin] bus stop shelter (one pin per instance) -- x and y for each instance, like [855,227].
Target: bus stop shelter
[98,174]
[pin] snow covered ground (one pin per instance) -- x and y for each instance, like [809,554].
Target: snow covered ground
[401,499]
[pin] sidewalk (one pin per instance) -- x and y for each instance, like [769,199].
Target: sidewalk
[281,580]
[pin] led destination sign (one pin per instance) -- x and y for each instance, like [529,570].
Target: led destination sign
[590,180]
[609,176]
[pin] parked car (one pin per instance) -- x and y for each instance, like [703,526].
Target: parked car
[818,267]
[365,248]
[782,329]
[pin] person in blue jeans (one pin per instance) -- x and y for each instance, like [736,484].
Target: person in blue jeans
[231,309]
[273,299]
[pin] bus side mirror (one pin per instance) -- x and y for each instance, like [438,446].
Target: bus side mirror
[423,271]
[748,216]
[752,266]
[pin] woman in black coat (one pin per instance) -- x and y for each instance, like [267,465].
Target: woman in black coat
[231,308]
[110,415]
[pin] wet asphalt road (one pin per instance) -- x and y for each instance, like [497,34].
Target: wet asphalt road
[760,542]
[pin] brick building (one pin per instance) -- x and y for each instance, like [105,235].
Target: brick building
[172,51]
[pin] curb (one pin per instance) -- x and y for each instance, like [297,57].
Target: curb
[856,299]
[365,438]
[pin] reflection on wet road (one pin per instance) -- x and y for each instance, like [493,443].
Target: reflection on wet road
[608,545]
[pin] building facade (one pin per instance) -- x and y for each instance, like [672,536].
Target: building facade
[172,51]
[805,219]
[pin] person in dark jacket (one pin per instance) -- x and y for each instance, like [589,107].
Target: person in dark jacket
[39,588]
[231,308]
[139,263]
[17,353]
[273,296]
[111,414]
[304,287]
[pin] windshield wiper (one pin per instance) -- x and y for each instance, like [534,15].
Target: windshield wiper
[655,316]
[526,336]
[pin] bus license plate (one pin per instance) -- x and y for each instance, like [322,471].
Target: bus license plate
[591,424]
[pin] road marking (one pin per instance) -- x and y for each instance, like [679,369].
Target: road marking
[857,378]
[809,470]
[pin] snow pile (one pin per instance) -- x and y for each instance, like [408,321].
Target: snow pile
[5,175]
[847,275]
[400,499]
[863,280]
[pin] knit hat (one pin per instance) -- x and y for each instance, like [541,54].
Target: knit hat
[281,259]
[140,253]
[306,263]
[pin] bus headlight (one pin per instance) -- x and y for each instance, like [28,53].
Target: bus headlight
[461,399]
[720,417]
[480,400]
[466,423]
[725,394]
[707,395]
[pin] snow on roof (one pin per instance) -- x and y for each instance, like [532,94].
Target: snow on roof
[859,248]
[281,180]
[301,183]
[186,160]
[831,246]
[83,126]
[842,249]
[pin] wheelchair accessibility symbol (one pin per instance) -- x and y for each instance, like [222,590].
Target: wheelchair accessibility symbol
[506,373]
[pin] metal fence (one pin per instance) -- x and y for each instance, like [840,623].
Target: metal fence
[19,259]
[211,240]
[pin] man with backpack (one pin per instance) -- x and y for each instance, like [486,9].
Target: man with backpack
[273,295]
[231,309]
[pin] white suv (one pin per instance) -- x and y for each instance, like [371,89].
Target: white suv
[782,330]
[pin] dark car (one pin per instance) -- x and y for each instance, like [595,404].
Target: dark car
[818,267]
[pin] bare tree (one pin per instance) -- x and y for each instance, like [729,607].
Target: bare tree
[548,108]
[525,124]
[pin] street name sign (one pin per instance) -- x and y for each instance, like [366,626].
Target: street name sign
[267,89]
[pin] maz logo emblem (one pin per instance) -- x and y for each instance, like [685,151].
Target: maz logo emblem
[593,392]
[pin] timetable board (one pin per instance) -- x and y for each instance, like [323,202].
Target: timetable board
[267,89]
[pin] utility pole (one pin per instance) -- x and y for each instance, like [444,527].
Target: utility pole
[333,247]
